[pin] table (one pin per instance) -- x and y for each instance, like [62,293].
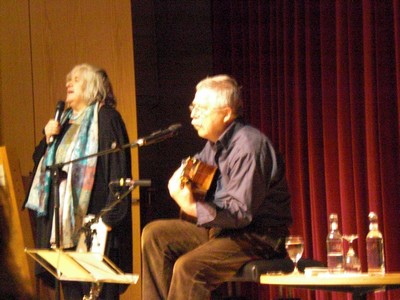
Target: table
[358,284]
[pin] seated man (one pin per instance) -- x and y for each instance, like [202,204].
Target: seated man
[244,215]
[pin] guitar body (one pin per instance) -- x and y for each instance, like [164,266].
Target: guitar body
[200,176]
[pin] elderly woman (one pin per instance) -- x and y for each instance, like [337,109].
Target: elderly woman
[89,124]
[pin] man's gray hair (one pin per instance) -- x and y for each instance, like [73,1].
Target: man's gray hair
[226,89]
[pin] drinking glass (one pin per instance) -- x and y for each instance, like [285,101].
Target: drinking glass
[352,262]
[294,247]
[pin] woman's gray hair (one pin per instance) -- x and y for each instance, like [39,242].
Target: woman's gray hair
[96,85]
[226,89]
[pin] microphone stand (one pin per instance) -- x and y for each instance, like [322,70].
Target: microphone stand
[56,171]
[86,227]
[55,183]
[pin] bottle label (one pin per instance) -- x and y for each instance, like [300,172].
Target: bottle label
[335,247]
[335,262]
[375,254]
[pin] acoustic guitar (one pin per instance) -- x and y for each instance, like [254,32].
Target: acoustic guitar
[200,176]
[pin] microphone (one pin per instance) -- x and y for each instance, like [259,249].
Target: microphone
[160,135]
[59,110]
[131,182]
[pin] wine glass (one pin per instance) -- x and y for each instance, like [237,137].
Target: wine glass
[294,247]
[351,262]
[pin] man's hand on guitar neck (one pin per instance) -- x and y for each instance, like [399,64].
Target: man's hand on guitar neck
[182,194]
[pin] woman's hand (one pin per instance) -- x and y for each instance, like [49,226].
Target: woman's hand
[52,128]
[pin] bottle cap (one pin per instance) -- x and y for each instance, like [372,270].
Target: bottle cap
[333,217]
[372,217]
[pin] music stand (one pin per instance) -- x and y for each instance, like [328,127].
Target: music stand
[85,266]
[81,266]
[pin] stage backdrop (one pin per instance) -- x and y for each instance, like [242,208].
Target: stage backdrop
[322,79]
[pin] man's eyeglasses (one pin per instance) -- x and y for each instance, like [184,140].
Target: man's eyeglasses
[201,110]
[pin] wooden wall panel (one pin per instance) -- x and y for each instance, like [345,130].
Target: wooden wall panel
[16,91]
[66,33]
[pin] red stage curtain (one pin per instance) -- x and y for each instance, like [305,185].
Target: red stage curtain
[322,79]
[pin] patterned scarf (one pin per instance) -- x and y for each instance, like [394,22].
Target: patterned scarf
[75,190]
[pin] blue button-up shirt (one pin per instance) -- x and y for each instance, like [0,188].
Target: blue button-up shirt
[250,185]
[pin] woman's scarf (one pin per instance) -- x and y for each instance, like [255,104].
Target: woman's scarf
[75,190]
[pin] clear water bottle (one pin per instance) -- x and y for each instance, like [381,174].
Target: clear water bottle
[334,245]
[375,251]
